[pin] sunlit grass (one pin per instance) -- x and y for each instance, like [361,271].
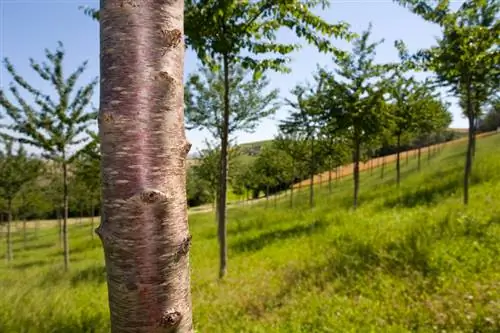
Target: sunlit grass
[411,259]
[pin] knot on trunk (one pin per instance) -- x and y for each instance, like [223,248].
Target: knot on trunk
[151,196]
[170,319]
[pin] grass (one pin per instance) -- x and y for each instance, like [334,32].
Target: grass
[411,259]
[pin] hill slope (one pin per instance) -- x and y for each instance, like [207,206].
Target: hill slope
[411,259]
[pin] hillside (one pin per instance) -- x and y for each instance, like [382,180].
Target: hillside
[411,259]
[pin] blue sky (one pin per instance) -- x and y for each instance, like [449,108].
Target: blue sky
[28,27]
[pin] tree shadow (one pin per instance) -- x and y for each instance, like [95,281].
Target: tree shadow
[426,196]
[350,260]
[261,241]
[31,247]
[91,274]
[28,264]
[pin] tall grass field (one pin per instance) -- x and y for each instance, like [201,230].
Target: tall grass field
[410,259]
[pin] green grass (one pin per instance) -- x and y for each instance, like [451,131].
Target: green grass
[411,259]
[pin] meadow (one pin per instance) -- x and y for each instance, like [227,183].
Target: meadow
[410,259]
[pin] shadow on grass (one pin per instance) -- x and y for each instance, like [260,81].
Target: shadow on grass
[261,241]
[40,246]
[92,274]
[28,264]
[349,262]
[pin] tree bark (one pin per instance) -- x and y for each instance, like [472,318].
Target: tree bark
[382,168]
[65,217]
[10,255]
[144,228]
[419,156]
[398,159]
[468,161]
[330,179]
[311,176]
[92,214]
[25,240]
[222,227]
[357,148]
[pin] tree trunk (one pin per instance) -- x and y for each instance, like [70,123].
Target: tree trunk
[419,156]
[429,153]
[291,196]
[10,255]
[468,160]
[25,240]
[330,179]
[371,166]
[37,226]
[144,228]
[92,214]
[406,157]
[382,168]
[222,227]
[65,217]
[355,172]
[59,221]
[311,176]
[398,159]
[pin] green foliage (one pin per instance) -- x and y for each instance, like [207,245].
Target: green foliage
[207,168]
[353,95]
[249,103]
[17,169]
[245,31]
[466,57]
[55,127]
[413,260]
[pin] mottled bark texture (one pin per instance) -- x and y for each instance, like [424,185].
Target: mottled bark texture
[144,227]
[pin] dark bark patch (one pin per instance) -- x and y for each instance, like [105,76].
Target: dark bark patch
[183,248]
[187,147]
[170,319]
[152,196]
[171,38]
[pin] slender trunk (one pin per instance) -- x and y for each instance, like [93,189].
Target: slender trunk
[65,217]
[311,176]
[468,161]
[10,254]
[291,196]
[382,168]
[59,222]
[371,166]
[429,153]
[223,175]
[92,214]
[37,226]
[406,163]
[419,156]
[330,179]
[355,172]
[398,159]
[267,195]
[24,234]
[144,228]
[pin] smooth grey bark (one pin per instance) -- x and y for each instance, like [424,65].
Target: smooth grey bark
[311,176]
[222,202]
[357,154]
[144,227]
[398,159]
[9,254]
[65,216]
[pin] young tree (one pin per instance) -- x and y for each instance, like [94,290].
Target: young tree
[17,169]
[144,228]
[222,31]
[305,119]
[54,126]
[354,104]
[206,109]
[295,146]
[88,174]
[465,58]
[406,109]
